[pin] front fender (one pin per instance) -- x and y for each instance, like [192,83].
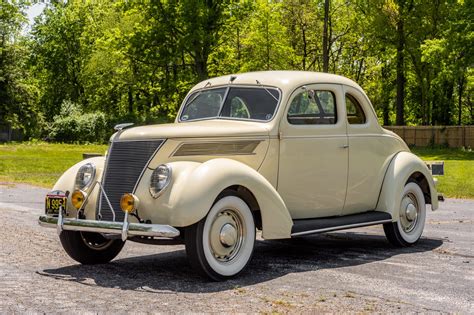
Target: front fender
[195,186]
[402,166]
[67,180]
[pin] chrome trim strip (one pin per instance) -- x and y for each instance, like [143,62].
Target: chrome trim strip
[211,148]
[342,227]
[139,140]
[109,227]
[283,137]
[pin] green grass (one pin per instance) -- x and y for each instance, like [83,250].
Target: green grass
[458,181]
[41,164]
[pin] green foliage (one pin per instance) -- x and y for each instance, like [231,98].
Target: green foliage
[18,89]
[135,60]
[71,125]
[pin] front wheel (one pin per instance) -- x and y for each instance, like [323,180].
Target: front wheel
[221,245]
[411,220]
[90,248]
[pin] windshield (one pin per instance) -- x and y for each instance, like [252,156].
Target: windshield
[255,103]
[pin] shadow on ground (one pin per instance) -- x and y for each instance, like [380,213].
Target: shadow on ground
[170,272]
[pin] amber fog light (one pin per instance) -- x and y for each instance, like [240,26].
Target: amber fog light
[128,202]
[77,198]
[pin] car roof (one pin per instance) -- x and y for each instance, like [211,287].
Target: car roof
[284,80]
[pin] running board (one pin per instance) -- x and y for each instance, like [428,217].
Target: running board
[327,224]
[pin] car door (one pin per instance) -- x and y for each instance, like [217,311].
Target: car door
[369,153]
[313,164]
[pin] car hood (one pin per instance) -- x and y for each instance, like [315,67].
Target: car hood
[197,129]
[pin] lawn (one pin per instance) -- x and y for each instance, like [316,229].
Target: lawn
[458,181]
[42,163]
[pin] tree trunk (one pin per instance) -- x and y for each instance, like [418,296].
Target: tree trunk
[447,105]
[238,49]
[385,96]
[471,108]
[400,120]
[201,68]
[325,37]
[130,100]
[305,48]
[424,103]
[460,92]
[267,42]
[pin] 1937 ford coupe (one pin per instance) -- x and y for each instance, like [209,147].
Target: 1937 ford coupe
[288,153]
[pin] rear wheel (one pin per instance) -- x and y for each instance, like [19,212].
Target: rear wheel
[411,220]
[221,245]
[90,248]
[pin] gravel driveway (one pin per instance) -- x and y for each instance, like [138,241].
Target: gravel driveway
[354,271]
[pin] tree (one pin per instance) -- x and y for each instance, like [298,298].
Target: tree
[136,60]
[18,92]
[326,46]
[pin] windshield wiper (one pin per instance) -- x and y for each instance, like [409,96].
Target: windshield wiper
[258,82]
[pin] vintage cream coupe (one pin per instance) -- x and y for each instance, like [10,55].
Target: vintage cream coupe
[288,153]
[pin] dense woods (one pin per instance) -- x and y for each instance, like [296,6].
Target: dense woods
[85,65]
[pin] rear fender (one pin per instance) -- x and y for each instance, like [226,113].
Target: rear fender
[401,168]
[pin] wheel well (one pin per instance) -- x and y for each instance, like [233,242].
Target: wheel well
[421,180]
[249,199]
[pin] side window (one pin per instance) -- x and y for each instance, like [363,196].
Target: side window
[313,107]
[355,114]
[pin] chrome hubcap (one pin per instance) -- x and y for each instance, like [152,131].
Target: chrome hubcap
[409,212]
[226,235]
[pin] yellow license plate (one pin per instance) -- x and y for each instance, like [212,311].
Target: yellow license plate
[54,203]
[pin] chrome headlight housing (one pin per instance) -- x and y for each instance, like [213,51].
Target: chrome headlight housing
[160,179]
[85,175]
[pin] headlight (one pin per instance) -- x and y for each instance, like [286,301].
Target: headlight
[85,175]
[160,178]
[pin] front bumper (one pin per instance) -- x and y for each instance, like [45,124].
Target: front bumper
[109,227]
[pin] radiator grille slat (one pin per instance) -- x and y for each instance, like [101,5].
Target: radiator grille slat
[125,163]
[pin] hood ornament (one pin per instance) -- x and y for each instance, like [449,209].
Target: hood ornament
[120,127]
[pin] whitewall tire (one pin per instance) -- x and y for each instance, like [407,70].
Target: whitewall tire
[221,245]
[411,217]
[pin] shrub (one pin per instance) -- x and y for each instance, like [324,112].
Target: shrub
[74,126]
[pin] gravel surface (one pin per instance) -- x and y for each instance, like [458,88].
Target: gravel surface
[352,271]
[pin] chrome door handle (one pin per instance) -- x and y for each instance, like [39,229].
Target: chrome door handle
[345,146]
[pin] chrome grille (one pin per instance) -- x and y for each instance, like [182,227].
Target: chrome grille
[126,161]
